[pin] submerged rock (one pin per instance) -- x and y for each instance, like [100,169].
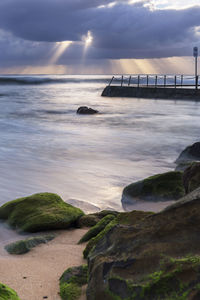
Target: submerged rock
[191,177]
[190,153]
[6,293]
[24,246]
[40,212]
[71,282]
[160,187]
[157,257]
[84,110]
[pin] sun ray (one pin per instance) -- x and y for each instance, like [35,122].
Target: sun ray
[59,49]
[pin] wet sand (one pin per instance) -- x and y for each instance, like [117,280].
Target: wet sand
[35,275]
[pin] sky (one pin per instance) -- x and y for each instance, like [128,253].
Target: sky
[98,36]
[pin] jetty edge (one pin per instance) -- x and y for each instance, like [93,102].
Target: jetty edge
[151,93]
[153,87]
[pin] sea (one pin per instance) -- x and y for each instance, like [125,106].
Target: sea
[45,146]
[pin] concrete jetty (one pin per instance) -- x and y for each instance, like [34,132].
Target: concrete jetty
[154,87]
[152,92]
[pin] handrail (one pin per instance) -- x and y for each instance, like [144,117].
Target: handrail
[151,80]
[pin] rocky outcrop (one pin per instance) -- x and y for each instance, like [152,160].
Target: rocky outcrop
[6,293]
[84,110]
[92,219]
[126,218]
[157,257]
[160,187]
[97,228]
[24,246]
[71,282]
[40,212]
[190,153]
[191,177]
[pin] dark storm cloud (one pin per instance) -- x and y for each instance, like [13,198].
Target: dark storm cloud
[119,31]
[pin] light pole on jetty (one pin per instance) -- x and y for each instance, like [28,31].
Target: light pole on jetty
[195,54]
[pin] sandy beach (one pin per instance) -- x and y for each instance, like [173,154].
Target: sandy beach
[35,275]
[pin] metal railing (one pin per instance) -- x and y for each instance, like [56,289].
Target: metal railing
[165,81]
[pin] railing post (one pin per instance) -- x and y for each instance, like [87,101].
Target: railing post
[129,81]
[138,81]
[196,83]
[181,80]
[111,80]
[175,81]
[165,80]
[122,80]
[156,81]
[147,80]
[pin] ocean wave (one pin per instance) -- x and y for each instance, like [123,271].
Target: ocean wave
[36,80]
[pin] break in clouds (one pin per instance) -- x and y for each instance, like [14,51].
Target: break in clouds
[29,30]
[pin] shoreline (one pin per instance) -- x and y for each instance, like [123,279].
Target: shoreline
[42,266]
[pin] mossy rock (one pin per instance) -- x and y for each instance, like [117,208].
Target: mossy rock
[71,282]
[24,246]
[6,293]
[70,291]
[91,220]
[156,258]
[97,228]
[40,212]
[77,275]
[160,187]
[93,242]
[190,153]
[191,177]
[124,218]
[176,279]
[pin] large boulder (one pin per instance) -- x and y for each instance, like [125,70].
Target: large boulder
[84,110]
[160,187]
[40,212]
[191,177]
[158,257]
[190,153]
[124,218]
[6,293]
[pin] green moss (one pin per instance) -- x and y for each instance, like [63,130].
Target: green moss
[159,187]
[7,293]
[92,243]
[24,246]
[39,212]
[97,228]
[77,275]
[70,291]
[176,279]
[131,218]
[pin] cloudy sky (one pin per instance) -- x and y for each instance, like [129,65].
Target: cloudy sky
[98,36]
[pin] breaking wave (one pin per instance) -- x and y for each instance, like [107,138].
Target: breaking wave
[36,80]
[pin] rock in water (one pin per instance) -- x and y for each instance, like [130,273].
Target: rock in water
[84,110]
[190,153]
[158,257]
[160,187]
[40,212]
[191,177]
[7,293]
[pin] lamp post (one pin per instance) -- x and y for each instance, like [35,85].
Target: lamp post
[195,54]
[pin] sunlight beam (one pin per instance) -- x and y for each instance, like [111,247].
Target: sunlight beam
[59,49]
